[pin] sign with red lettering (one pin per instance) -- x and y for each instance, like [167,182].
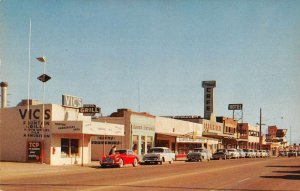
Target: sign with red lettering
[34,151]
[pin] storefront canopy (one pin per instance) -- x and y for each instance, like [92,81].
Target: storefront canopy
[83,127]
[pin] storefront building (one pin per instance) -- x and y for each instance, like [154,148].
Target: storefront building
[250,135]
[180,136]
[65,137]
[212,130]
[139,131]
[276,140]
[229,132]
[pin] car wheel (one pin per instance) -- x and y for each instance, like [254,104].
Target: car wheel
[171,161]
[135,162]
[103,166]
[121,163]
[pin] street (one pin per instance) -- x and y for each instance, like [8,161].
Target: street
[236,174]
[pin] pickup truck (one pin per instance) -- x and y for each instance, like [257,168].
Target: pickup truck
[159,155]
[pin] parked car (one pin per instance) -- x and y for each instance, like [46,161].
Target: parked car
[249,153]
[264,154]
[234,153]
[120,158]
[221,154]
[292,153]
[199,154]
[258,154]
[159,155]
[242,154]
[282,154]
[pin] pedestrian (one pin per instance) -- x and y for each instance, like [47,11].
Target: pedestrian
[113,150]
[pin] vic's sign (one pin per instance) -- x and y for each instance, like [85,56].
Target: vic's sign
[71,101]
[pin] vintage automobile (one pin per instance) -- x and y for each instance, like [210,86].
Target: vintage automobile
[221,154]
[159,155]
[249,153]
[234,153]
[292,153]
[242,154]
[258,154]
[282,154]
[120,158]
[199,154]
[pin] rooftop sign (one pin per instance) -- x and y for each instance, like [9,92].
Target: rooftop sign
[208,84]
[89,110]
[71,101]
[235,107]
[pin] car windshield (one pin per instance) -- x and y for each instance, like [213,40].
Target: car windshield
[221,151]
[156,150]
[120,152]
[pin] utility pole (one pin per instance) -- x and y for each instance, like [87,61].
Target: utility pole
[260,141]
[290,135]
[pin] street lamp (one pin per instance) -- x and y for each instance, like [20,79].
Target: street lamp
[43,78]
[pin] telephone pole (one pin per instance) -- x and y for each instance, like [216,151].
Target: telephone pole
[260,139]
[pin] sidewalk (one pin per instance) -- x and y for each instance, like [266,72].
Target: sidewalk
[16,169]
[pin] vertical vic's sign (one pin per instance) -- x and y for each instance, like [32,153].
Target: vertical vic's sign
[71,101]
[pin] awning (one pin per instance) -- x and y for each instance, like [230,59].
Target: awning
[89,128]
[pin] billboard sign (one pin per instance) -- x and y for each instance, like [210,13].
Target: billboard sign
[235,107]
[71,101]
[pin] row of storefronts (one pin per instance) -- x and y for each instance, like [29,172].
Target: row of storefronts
[59,134]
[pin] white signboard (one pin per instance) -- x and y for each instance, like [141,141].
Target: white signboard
[189,140]
[91,128]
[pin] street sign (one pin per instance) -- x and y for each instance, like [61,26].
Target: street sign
[44,78]
[235,107]
[89,110]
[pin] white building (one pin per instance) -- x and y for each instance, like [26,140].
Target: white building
[65,138]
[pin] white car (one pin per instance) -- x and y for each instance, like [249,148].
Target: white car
[234,153]
[242,154]
[159,155]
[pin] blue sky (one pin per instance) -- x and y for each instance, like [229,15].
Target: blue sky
[103,51]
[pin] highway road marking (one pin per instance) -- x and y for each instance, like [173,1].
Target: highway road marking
[243,180]
[105,187]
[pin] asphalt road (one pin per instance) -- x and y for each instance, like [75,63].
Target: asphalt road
[237,174]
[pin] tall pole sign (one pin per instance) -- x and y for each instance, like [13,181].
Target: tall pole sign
[43,78]
[208,98]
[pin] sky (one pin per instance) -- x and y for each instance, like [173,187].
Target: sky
[152,56]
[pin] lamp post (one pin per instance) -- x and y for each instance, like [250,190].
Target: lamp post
[43,78]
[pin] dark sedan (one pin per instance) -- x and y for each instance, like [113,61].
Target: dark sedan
[221,154]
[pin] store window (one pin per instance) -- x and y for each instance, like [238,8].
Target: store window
[149,143]
[135,143]
[143,145]
[69,147]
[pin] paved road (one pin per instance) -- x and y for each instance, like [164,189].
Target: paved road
[237,174]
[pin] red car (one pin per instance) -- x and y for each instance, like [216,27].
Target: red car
[120,158]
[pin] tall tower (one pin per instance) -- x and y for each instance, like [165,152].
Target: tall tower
[208,98]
